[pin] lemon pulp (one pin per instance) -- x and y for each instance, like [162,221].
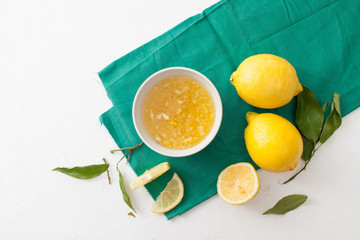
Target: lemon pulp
[238,183]
[170,197]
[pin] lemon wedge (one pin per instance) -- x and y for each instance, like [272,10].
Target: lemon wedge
[170,197]
[150,175]
[238,183]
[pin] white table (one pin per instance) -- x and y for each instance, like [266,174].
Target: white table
[50,104]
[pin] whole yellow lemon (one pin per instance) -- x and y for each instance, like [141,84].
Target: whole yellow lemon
[273,143]
[266,81]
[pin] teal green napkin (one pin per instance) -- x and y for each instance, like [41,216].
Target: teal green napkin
[320,38]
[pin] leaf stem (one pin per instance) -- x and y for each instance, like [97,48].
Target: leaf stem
[129,152]
[304,167]
[316,149]
[117,165]
[126,148]
[107,171]
[306,163]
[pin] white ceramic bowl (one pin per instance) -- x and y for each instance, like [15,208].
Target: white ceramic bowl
[142,93]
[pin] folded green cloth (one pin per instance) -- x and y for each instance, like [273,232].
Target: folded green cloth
[320,38]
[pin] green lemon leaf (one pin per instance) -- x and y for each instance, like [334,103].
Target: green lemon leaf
[333,121]
[85,172]
[124,193]
[325,106]
[287,204]
[308,149]
[309,115]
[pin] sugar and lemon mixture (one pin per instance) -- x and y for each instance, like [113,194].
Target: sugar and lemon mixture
[178,112]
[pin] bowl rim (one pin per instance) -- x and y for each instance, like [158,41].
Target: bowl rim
[202,79]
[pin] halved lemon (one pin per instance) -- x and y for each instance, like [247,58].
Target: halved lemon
[170,197]
[238,183]
[150,175]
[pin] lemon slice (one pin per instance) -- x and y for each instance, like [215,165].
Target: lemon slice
[170,197]
[238,183]
[150,175]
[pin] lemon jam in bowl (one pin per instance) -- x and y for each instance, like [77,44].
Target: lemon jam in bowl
[177,111]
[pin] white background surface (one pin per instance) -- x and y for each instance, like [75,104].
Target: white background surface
[50,104]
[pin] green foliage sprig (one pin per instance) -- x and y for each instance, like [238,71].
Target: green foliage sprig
[310,121]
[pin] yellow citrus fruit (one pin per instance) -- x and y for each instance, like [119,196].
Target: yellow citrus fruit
[238,183]
[150,175]
[266,81]
[273,143]
[170,197]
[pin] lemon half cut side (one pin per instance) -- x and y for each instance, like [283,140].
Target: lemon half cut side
[238,183]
